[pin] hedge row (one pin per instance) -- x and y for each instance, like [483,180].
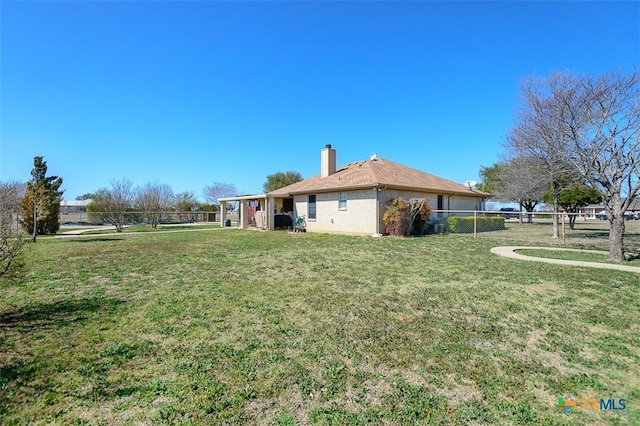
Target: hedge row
[464,224]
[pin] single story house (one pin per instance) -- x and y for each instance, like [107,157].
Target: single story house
[352,198]
[598,211]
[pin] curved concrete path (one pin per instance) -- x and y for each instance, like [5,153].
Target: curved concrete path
[81,231]
[510,251]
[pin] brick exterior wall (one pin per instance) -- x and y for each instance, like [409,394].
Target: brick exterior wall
[360,214]
[358,218]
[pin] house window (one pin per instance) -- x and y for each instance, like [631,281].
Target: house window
[311,207]
[342,201]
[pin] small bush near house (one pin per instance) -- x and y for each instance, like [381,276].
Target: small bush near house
[418,214]
[395,217]
[464,224]
[404,217]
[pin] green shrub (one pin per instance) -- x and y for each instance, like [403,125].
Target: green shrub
[464,224]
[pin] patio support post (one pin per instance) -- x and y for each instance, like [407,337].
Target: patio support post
[265,213]
[271,205]
[475,224]
[223,212]
[243,213]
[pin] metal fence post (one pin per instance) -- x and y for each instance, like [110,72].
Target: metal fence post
[475,224]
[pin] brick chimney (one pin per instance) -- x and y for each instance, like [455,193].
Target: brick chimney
[327,161]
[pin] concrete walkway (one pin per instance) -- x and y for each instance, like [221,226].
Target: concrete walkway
[509,251]
[85,229]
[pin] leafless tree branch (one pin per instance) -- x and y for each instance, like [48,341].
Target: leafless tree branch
[153,200]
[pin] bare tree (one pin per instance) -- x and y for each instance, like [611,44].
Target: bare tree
[589,126]
[520,180]
[418,212]
[114,202]
[153,200]
[542,133]
[603,120]
[212,193]
[11,236]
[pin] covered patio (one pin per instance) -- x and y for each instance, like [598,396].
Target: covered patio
[258,211]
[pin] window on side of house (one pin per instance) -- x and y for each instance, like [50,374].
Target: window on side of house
[342,201]
[311,207]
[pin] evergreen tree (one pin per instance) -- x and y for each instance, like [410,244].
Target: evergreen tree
[41,203]
[280,180]
[573,198]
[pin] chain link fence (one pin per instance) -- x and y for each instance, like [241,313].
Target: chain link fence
[533,228]
[525,228]
[136,218]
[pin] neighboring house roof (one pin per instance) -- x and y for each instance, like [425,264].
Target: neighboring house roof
[376,172]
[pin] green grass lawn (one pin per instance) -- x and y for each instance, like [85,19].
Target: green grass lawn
[243,327]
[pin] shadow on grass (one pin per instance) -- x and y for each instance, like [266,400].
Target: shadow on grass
[53,314]
[18,370]
[91,240]
[16,367]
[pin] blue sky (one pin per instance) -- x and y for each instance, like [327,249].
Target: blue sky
[190,93]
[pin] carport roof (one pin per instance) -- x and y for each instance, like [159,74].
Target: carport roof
[244,197]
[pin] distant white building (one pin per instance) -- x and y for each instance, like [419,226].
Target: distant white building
[74,206]
[597,211]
